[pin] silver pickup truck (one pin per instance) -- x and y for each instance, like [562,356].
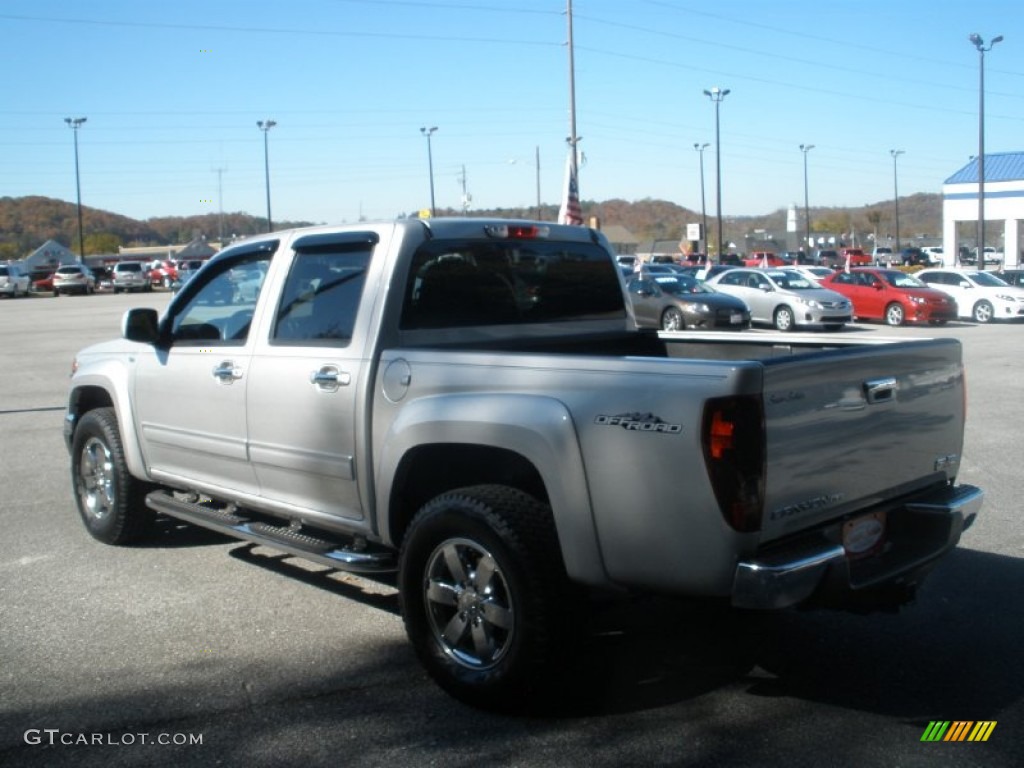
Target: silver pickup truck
[468,404]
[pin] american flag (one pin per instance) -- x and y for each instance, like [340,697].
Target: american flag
[570,211]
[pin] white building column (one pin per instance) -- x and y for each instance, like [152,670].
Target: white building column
[950,246]
[1011,243]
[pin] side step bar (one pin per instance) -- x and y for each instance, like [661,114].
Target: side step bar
[329,553]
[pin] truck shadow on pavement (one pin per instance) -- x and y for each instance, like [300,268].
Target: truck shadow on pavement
[954,653]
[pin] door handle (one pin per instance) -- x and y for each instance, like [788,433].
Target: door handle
[329,378]
[880,390]
[227,372]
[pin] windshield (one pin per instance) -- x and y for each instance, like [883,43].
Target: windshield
[902,280]
[792,281]
[682,285]
[987,280]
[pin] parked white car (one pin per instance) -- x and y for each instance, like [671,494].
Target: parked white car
[13,282]
[785,298]
[980,296]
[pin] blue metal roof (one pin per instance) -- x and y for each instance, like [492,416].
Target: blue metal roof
[1001,166]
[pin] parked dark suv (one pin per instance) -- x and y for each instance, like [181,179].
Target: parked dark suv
[914,257]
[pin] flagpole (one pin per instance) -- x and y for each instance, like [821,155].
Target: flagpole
[570,212]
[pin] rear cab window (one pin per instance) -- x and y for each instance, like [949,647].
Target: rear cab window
[468,283]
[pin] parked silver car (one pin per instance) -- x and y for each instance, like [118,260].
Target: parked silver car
[785,298]
[73,278]
[13,282]
[131,276]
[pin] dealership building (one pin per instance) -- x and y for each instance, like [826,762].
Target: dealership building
[1004,206]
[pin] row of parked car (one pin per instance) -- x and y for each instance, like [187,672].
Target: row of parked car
[83,280]
[675,297]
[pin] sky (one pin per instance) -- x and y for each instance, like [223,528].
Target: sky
[172,93]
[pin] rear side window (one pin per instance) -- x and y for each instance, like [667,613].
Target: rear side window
[321,294]
[4,272]
[473,283]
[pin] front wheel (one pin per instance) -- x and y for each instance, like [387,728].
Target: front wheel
[110,501]
[672,320]
[894,314]
[484,595]
[983,312]
[784,319]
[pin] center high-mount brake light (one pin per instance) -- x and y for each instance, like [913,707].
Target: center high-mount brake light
[734,453]
[516,231]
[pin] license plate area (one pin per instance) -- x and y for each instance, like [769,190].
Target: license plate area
[864,535]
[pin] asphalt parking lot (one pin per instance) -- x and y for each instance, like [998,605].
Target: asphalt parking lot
[105,653]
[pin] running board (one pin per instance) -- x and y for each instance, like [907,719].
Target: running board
[332,554]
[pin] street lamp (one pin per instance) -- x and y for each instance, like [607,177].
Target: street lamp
[896,195]
[265,126]
[74,123]
[428,132]
[716,95]
[703,207]
[805,148]
[982,49]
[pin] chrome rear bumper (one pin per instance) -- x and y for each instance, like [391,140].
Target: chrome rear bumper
[921,531]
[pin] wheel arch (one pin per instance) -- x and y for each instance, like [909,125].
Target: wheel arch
[91,391]
[529,443]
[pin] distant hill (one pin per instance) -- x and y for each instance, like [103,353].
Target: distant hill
[28,222]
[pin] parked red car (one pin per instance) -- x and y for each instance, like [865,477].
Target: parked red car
[763,259]
[163,273]
[856,256]
[892,296]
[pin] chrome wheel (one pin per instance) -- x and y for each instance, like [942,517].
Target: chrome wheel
[469,607]
[672,320]
[894,314]
[784,319]
[96,479]
[983,312]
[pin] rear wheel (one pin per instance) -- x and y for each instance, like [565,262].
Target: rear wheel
[484,595]
[784,319]
[982,312]
[672,320]
[110,501]
[894,314]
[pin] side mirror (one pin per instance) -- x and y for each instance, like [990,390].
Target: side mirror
[141,324]
[879,286]
[965,284]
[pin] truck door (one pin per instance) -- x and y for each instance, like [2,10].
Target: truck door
[305,382]
[190,391]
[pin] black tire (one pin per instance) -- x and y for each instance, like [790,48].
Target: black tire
[894,314]
[56,293]
[672,320]
[983,312]
[110,501]
[784,319]
[484,595]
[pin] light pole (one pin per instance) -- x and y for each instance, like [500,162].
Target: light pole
[703,206]
[265,126]
[805,148]
[982,49]
[74,123]
[428,132]
[716,95]
[896,196]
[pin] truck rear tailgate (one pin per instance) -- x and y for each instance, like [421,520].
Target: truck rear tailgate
[849,430]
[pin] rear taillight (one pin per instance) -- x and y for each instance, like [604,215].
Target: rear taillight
[733,438]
